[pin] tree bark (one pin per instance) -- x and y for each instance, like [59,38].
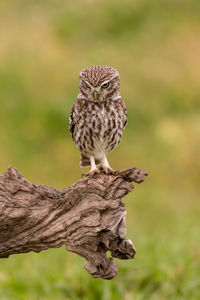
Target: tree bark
[88,217]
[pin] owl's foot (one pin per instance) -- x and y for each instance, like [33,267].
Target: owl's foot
[105,167]
[91,173]
[107,170]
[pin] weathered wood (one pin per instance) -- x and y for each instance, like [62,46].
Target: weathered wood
[88,217]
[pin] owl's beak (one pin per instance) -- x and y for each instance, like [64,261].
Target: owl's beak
[95,95]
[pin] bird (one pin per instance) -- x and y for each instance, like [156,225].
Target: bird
[98,117]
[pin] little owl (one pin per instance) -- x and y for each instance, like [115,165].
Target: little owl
[98,117]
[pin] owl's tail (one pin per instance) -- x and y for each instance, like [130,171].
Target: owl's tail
[85,162]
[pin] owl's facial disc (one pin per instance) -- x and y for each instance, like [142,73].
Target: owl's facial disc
[98,92]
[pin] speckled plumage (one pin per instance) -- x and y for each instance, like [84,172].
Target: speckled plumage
[98,116]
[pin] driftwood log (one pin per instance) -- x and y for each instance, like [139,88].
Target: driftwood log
[88,217]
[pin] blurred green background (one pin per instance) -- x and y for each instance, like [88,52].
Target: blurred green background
[155,46]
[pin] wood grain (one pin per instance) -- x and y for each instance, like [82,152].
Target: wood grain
[88,217]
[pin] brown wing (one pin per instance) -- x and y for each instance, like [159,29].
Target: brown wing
[72,120]
[123,107]
[75,114]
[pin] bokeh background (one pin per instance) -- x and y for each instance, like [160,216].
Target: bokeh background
[155,46]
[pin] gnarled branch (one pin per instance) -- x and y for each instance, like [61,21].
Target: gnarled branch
[88,217]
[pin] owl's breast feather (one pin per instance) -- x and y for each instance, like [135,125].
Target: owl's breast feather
[99,127]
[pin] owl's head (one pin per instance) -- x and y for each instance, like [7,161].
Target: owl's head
[99,83]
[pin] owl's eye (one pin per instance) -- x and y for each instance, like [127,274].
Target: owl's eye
[105,85]
[87,85]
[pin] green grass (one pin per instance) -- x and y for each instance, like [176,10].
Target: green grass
[155,47]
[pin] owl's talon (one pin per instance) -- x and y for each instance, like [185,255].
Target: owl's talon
[108,171]
[91,173]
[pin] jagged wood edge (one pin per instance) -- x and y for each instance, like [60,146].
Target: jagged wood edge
[88,217]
